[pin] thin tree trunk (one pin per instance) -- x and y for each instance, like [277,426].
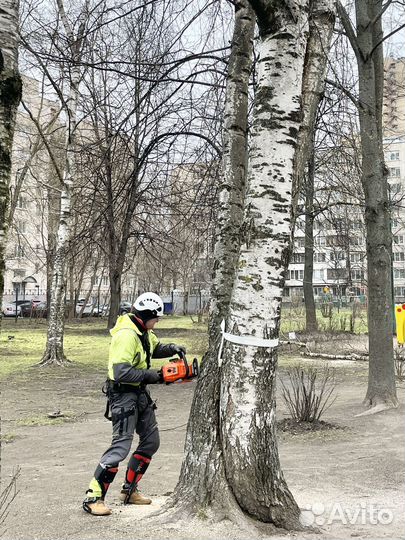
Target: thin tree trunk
[10,96]
[321,23]
[202,480]
[115,291]
[311,324]
[72,293]
[89,291]
[381,382]
[54,353]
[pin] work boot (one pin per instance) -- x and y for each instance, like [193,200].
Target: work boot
[96,506]
[135,498]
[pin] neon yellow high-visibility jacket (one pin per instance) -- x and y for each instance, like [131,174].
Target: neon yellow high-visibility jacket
[127,356]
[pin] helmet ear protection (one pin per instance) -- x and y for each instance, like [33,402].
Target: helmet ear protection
[149,301]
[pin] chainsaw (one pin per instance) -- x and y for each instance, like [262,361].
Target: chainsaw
[178,369]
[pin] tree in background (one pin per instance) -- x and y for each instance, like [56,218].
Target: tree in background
[366,39]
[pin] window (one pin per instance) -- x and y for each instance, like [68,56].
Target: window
[392,156]
[398,239]
[394,223]
[105,280]
[21,202]
[332,240]
[296,274]
[320,241]
[337,256]
[357,275]
[395,188]
[336,273]
[399,273]
[319,257]
[356,240]
[319,274]
[356,257]
[298,258]
[300,242]
[19,251]
[399,291]
[20,227]
[357,225]
[399,256]
[394,172]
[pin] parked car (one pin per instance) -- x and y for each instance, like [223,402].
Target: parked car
[9,310]
[101,311]
[40,310]
[27,309]
[88,308]
[125,307]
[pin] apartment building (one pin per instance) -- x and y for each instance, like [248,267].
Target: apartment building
[30,194]
[35,199]
[339,236]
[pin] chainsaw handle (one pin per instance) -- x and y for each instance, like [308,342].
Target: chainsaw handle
[186,366]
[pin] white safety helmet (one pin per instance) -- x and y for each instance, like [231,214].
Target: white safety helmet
[149,301]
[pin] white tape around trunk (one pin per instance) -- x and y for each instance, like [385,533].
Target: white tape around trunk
[251,341]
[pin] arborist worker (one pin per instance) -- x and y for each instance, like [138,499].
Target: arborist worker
[132,346]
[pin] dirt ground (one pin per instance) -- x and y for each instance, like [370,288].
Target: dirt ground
[350,481]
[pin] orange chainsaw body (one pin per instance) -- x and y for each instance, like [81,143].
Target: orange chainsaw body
[179,369]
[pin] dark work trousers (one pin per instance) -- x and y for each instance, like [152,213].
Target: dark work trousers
[131,412]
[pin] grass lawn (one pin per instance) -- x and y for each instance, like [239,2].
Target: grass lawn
[293,319]
[87,341]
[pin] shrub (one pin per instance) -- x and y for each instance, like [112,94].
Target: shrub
[308,392]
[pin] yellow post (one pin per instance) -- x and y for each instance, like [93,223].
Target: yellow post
[400,322]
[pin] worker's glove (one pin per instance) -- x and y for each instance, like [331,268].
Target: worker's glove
[151,377]
[179,350]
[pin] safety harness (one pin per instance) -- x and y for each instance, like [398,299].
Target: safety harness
[110,387]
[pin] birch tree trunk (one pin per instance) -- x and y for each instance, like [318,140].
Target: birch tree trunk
[202,480]
[232,462]
[367,45]
[247,402]
[10,96]
[321,23]
[54,353]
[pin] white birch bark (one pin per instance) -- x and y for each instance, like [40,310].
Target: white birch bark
[54,353]
[10,95]
[321,24]
[247,410]
[235,469]
[202,480]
